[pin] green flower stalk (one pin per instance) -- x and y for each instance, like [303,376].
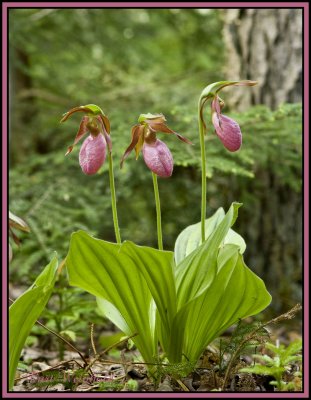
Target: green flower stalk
[113,200]
[158,210]
[226,129]
[93,150]
[156,154]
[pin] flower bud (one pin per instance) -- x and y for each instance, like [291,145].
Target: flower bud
[92,154]
[228,131]
[158,158]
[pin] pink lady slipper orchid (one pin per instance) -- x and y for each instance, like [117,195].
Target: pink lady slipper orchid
[92,154]
[226,128]
[93,150]
[156,154]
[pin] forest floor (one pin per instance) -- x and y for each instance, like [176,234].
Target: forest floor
[116,371]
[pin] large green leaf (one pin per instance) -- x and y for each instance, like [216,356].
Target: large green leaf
[126,278]
[24,312]
[186,306]
[157,268]
[104,270]
[190,238]
[111,312]
[195,272]
[233,237]
[235,292]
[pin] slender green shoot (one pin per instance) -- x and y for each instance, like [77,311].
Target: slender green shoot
[203,171]
[113,199]
[158,210]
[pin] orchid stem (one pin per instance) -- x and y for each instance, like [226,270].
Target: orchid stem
[113,200]
[203,164]
[158,209]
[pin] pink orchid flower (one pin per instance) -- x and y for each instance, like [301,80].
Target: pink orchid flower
[93,150]
[156,154]
[226,128]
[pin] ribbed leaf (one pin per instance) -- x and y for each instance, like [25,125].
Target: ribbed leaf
[233,237]
[190,238]
[104,270]
[195,273]
[126,278]
[234,293]
[157,268]
[24,312]
[112,313]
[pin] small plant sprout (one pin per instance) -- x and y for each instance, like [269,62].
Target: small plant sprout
[156,154]
[93,150]
[281,361]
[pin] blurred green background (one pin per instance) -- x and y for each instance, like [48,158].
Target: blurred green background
[130,62]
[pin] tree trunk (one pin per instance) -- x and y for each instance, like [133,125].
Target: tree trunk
[272,228]
[264,45]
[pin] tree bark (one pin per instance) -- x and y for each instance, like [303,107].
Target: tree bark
[272,228]
[264,45]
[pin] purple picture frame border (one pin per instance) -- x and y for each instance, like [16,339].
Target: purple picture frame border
[5,7]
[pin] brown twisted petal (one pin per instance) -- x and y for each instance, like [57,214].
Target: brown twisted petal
[238,83]
[81,132]
[139,145]
[246,83]
[74,110]
[106,122]
[161,127]
[137,131]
